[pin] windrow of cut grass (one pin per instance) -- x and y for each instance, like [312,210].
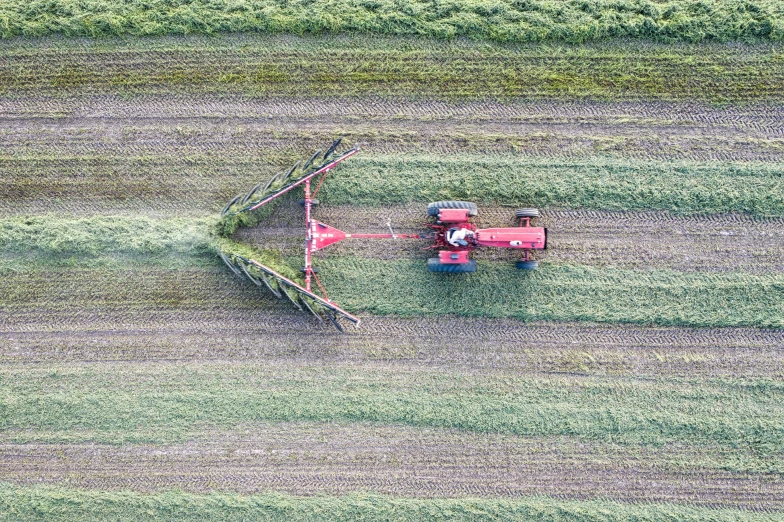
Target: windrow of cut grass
[559,293]
[501,20]
[164,403]
[601,183]
[598,183]
[54,237]
[55,504]
[340,66]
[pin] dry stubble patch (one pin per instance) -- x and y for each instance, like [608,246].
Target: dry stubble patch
[201,124]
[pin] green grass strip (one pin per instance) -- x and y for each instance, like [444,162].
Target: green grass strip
[594,183]
[54,236]
[500,20]
[174,402]
[30,503]
[54,503]
[558,293]
[262,65]
[515,180]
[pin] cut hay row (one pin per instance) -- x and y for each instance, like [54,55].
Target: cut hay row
[65,504]
[599,183]
[172,402]
[261,66]
[560,293]
[501,21]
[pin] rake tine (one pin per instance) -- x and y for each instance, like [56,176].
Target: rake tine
[310,308]
[250,194]
[312,158]
[269,183]
[334,321]
[293,301]
[229,264]
[229,204]
[264,280]
[332,148]
[290,172]
[247,273]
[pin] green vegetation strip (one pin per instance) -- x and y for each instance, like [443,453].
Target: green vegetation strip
[117,403]
[558,293]
[53,236]
[500,20]
[601,183]
[64,504]
[596,183]
[259,65]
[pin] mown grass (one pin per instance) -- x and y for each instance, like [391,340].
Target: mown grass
[53,236]
[117,403]
[63,504]
[600,183]
[596,183]
[559,293]
[259,65]
[502,20]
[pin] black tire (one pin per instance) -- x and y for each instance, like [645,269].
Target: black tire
[527,265]
[434,207]
[313,202]
[526,212]
[435,265]
[315,270]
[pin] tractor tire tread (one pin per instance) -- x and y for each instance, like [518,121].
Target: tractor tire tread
[434,207]
[527,212]
[435,265]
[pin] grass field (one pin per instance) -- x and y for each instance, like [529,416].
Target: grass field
[140,379]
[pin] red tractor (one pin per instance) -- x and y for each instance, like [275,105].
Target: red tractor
[455,237]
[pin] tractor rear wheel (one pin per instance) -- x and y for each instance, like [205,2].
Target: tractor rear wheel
[313,202]
[526,212]
[434,207]
[435,265]
[527,265]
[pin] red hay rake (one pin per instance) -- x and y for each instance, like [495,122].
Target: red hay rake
[452,234]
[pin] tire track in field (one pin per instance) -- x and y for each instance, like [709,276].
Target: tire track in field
[333,459]
[641,240]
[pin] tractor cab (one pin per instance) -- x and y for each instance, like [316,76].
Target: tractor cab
[459,237]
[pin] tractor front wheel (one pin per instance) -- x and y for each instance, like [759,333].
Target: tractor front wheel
[434,207]
[526,213]
[435,265]
[527,265]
